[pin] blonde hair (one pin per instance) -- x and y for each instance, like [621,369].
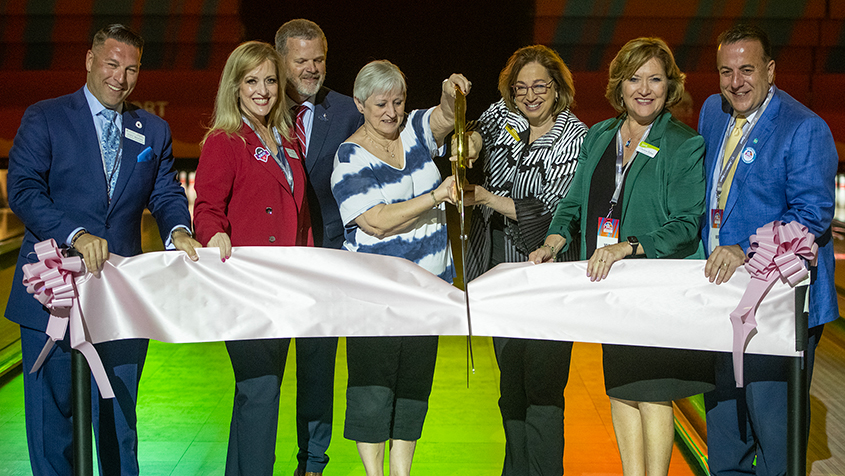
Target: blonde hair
[631,58]
[227,112]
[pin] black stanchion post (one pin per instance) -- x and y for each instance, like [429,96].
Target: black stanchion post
[797,394]
[83,464]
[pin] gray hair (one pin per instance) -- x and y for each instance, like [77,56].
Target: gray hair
[379,76]
[299,28]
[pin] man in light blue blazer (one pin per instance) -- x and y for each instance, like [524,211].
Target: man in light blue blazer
[82,169]
[329,119]
[783,168]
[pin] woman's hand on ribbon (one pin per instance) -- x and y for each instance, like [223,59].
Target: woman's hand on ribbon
[95,252]
[599,264]
[221,240]
[723,262]
[548,251]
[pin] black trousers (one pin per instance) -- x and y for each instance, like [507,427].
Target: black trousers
[389,384]
[534,374]
[259,366]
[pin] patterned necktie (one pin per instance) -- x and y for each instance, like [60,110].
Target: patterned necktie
[300,127]
[730,145]
[110,143]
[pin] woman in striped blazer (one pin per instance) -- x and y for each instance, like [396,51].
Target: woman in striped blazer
[531,146]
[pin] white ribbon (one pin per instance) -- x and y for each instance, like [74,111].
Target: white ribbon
[264,292]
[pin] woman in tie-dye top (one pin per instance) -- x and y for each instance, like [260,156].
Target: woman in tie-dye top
[391,198]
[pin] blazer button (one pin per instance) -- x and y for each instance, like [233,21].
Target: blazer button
[269,210]
[272,239]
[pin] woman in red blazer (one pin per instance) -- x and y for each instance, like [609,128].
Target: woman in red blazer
[251,192]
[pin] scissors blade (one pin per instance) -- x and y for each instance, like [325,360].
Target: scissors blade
[459,171]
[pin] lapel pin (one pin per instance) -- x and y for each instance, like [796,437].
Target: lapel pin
[324,117]
[138,124]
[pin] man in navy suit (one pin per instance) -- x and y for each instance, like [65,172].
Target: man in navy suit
[82,169]
[782,168]
[328,118]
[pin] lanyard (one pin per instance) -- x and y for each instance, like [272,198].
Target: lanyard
[726,166]
[283,163]
[620,171]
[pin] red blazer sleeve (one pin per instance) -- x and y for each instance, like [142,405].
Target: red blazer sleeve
[214,183]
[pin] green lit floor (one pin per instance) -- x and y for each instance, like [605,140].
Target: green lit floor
[186,401]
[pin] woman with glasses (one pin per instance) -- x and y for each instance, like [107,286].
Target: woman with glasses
[531,145]
[639,193]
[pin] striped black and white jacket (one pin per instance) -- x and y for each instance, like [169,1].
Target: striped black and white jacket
[536,176]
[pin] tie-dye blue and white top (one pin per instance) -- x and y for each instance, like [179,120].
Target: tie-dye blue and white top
[361,181]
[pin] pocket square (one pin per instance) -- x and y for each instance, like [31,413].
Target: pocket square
[146,155]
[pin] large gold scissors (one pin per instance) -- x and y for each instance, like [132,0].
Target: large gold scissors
[459,170]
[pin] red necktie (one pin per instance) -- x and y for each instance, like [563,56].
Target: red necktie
[300,127]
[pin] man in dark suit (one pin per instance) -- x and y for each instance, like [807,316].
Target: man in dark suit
[323,119]
[768,158]
[82,169]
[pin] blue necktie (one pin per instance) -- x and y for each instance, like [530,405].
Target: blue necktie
[111,143]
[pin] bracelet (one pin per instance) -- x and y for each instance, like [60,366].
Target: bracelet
[552,248]
[434,198]
[76,236]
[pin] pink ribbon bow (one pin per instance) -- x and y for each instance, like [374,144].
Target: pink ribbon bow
[777,251]
[51,282]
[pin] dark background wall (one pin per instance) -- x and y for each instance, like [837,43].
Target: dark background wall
[427,39]
[43,43]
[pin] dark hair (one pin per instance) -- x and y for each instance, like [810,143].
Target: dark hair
[118,32]
[743,32]
[631,58]
[299,28]
[547,58]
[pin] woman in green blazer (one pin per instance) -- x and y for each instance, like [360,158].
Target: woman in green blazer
[638,192]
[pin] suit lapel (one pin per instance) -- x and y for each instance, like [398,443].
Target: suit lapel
[136,126]
[86,140]
[268,163]
[764,129]
[655,138]
[320,126]
[597,150]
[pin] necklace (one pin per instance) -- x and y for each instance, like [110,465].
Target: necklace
[385,147]
[631,135]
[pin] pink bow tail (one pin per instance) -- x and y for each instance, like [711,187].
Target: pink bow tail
[51,282]
[777,252]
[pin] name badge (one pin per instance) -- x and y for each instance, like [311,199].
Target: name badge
[292,153]
[607,232]
[512,132]
[647,149]
[135,136]
[716,218]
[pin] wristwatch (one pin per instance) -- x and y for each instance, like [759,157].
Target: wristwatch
[635,243]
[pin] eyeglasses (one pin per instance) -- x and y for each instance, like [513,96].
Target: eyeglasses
[539,89]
